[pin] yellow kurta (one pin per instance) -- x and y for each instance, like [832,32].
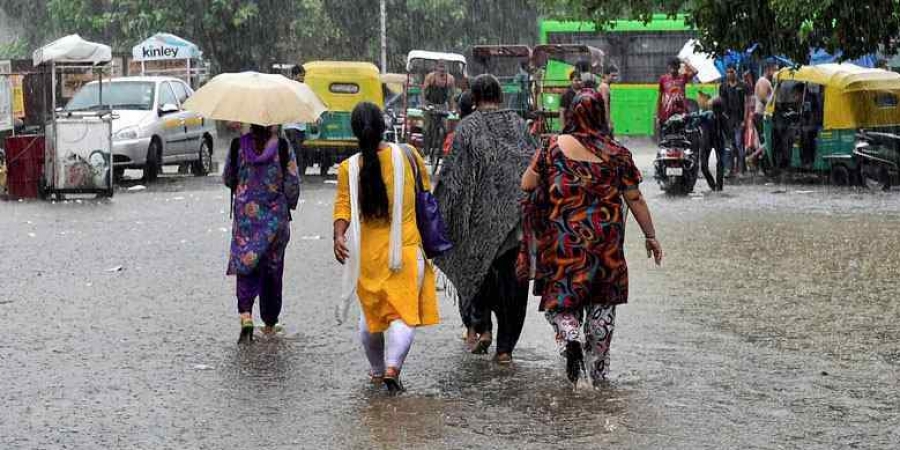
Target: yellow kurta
[385,295]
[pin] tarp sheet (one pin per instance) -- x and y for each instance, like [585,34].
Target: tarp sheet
[72,49]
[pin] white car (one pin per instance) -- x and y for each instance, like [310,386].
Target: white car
[150,128]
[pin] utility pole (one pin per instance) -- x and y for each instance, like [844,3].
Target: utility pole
[383,36]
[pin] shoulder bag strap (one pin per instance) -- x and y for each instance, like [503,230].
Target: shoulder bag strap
[420,187]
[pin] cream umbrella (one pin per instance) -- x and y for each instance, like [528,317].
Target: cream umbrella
[256,98]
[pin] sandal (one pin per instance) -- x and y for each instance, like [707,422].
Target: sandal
[484,342]
[504,358]
[574,361]
[376,380]
[392,380]
[247,327]
[471,338]
[272,330]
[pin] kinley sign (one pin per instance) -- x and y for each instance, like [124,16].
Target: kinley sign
[150,51]
[162,46]
[159,52]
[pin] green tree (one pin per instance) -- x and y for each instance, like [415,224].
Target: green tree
[240,34]
[781,27]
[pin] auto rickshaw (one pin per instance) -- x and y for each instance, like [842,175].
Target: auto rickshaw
[552,65]
[511,64]
[420,63]
[811,124]
[341,86]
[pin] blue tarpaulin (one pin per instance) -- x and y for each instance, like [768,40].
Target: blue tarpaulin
[820,56]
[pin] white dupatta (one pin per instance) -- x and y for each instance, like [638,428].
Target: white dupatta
[351,266]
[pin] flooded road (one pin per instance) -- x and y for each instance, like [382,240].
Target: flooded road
[773,324]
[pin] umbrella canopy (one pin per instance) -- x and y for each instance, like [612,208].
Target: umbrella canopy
[256,98]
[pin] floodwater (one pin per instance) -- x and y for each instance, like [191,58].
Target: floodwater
[773,324]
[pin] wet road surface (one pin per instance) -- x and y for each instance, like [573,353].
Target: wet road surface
[774,323]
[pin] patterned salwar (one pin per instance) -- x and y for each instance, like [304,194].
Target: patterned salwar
[575,227]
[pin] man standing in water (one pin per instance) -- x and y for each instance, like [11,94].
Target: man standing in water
[438,92]
[763,93]
[672,98]
[610,74]
[733,92]
[566,100]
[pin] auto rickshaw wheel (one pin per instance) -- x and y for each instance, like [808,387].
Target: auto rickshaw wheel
[839,175]
[324,164]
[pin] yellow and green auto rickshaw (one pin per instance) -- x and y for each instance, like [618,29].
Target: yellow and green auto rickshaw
[341,85]
[811,124]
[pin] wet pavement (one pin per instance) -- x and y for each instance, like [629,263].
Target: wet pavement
[774,323]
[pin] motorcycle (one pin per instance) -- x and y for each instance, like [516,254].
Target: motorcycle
[877,157]
[677,165]
[393,126]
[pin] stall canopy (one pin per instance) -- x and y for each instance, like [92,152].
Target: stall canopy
[165,46]
[72,49]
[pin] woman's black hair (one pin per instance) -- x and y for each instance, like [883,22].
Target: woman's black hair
[261,135]
[486,89]
[466,104]
[674,63]
[368,126]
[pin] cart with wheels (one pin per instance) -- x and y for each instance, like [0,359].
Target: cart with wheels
[78,150]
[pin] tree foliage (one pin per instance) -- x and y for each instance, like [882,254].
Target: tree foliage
[780,27]
[241,34]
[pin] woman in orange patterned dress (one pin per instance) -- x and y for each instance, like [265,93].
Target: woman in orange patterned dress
[575,225]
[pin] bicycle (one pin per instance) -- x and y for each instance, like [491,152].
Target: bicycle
[434,136]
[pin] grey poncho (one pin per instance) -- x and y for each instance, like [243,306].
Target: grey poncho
[478,192]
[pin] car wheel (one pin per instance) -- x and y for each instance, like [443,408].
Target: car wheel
[203,165]
[153,164]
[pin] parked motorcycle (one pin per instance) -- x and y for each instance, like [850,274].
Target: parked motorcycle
[677,161]
[877,157]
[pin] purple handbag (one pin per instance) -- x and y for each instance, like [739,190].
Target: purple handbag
[431,224]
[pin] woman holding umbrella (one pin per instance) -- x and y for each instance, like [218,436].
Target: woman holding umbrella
[262,175]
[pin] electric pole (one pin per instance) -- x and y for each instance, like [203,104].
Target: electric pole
[383,36]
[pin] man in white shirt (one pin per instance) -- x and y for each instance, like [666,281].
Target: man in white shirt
[296,132]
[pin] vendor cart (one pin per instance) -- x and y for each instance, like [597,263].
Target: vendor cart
[78,143]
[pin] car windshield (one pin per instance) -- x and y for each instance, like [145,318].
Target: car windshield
[137,95]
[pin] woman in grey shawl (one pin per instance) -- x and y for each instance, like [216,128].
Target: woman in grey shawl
[479,194]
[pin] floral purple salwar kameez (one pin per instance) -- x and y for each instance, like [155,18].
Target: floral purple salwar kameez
[265,191]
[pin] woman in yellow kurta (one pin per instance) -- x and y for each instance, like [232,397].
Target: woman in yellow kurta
[394,283]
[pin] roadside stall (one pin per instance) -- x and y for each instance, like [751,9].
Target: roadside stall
[165,54]
[77,143]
